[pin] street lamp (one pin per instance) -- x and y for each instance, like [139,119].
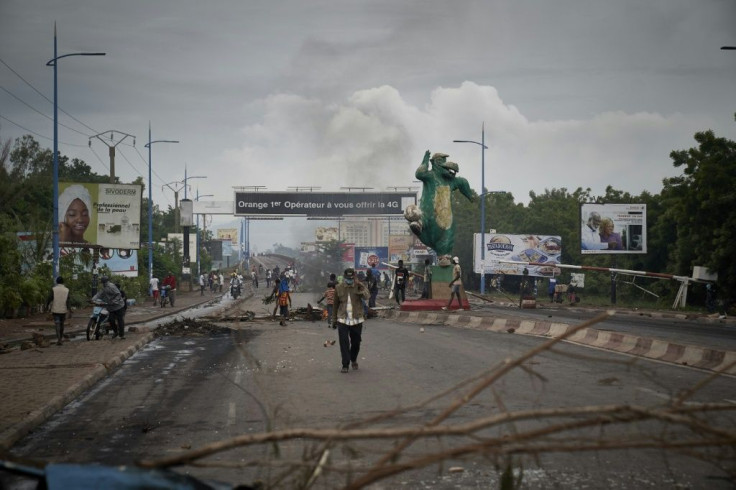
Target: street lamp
[205,225]
[483,148]
[150,202]
[53,62]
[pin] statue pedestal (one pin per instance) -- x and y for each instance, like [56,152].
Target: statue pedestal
[441,277]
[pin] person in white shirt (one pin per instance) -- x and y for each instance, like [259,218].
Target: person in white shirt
[590,238]
[154,290]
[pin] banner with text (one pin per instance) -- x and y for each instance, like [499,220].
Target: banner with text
[518,248]
[322,204]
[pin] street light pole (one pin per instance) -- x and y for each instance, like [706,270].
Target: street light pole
[199,271]
[54,62]
[150,202]
[483,148]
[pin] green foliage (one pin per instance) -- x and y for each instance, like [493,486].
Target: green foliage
[700,209]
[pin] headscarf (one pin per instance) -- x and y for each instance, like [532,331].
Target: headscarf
[71,193]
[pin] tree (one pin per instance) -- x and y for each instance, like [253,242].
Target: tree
[701,209]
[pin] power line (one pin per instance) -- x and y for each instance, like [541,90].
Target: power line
[42,95]
[140,174]
[107,168]
[38,134]
[39,112]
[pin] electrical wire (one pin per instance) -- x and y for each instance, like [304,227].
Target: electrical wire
[39,112]
[42,95]
[38,134]
[105,165]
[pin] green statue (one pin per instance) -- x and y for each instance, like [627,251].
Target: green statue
[432,220]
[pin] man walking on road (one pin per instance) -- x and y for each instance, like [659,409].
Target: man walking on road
[373,278]
[59,300]
[455,284]
[348,315]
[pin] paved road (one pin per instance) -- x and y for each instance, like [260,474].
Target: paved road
[679,327]
[179,393]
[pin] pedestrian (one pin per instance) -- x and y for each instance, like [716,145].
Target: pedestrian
[154,289]
[571,294]
[551,289]
[427,286]
[170,281]
[275,295]
[60,302]
[710,297]
[284,301]
[329,296]
[221,281]
[455,284]
[124,296]
[202,283]
[110,296]
[401,276]
[268,278]
[347,314]
[373,278]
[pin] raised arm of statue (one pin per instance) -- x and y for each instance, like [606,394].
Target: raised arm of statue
[423,169]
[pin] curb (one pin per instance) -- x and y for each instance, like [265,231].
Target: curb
[101,370]
[720,361]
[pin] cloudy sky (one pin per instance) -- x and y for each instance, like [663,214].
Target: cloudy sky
[335,93]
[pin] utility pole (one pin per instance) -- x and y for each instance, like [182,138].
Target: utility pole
[174,187]
[111,144]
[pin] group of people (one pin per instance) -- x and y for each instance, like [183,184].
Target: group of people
[214,281]
[110,295]
[167,289]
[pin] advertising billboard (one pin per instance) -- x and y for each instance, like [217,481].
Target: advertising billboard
[399,247]
[544,249]
[107,215]
[322,204]
[228,234]
[366,257]
[121,262]
[613,228]
[326,233]
[193,252]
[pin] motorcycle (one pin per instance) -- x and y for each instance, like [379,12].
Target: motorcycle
[165,296]
[235,289]
[99,322]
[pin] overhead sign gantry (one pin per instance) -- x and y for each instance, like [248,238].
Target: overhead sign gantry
[322,204]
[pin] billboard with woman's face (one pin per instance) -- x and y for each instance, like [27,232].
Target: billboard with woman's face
[613,228]
[106,215]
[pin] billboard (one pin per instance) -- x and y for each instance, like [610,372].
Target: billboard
[193,252]
[322,204]
[613,228]
[545,249]
[399,247]
[366,257]
[228,234]
[107,215]
[121,262]
[348,254]
[326,233]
